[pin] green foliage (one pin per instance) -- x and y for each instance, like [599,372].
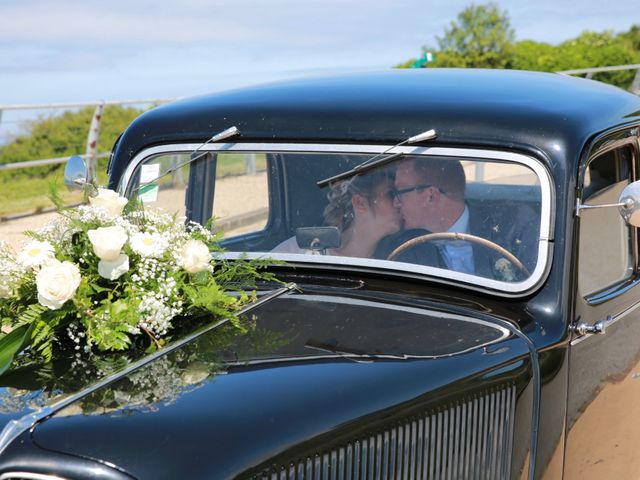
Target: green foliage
[65,135]
[632,37]
[481,37]
[589,49]
[11,344]
[51,137]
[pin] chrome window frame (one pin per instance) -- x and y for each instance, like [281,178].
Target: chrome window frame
[472,281]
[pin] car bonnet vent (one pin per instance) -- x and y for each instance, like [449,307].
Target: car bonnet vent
[470,439]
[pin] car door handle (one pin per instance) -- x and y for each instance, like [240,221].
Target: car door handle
[598,328]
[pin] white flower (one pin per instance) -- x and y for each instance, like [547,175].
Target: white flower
[148,244]
[107,242]
[194,256]
[35,254]
[109,201]
[112,270]
[57,282]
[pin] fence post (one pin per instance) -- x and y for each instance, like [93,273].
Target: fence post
[92,141]
[634,88]
[250,163]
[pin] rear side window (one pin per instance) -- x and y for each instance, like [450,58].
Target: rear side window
[241,196]
[606,253]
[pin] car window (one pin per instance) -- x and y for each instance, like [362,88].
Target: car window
[168,192]
[239,199]
[386,213]
[605,253]
[241,195]
[484,221]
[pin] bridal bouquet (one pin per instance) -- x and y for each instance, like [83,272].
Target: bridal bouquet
[109,275]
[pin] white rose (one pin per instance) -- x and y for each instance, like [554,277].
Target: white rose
[148,244]
[107,242]
[112,270]
[194,256]
[35,254]
[109,201]
[57,282]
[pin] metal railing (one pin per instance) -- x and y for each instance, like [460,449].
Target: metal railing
[91,152]
[588,73]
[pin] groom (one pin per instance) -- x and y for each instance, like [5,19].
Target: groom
[430,194]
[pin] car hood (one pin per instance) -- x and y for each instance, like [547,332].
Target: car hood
[313,365]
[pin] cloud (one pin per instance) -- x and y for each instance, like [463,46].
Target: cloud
[65,23]
[122,48]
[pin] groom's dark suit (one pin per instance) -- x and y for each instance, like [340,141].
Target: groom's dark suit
[514,228]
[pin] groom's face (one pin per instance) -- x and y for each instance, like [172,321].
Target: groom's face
[415,204]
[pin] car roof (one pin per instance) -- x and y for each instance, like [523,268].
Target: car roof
[490,108]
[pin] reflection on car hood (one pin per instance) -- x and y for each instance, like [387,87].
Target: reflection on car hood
[340,358]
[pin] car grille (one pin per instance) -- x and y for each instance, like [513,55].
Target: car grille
[470,439]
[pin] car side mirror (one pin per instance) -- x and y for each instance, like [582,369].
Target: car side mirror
[629,204]
[76,173]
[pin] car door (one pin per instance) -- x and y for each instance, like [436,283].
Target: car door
[603,410]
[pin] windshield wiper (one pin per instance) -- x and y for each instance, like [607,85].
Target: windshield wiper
[229,132]
[373,162]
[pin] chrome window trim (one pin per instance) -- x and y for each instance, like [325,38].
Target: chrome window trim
[470,153]
[29,476]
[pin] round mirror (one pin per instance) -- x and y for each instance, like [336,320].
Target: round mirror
[630,204]
[76,174]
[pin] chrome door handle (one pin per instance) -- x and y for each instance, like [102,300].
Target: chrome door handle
[598,328]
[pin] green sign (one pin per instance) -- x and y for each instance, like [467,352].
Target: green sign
[427,57]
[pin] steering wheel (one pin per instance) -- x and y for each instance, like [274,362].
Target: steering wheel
[451,236]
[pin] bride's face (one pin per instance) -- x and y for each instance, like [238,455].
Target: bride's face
[384,217]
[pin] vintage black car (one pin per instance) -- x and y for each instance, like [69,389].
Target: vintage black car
[496,336]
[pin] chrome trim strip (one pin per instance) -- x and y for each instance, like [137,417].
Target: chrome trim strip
[402,308]
[505,332]
[28,476]
[541,172]
[607,323]
[14,428]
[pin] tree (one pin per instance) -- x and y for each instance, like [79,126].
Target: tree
[589,49]
[481,38]
[632,37]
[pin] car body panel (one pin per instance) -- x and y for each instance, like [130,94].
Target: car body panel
[259,408]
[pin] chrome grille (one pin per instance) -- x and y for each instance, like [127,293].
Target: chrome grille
[466,440]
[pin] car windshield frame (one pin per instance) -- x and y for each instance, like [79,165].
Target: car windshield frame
[465,280]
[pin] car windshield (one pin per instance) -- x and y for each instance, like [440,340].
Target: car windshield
[475,216]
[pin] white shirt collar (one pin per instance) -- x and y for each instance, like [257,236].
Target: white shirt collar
[462,224]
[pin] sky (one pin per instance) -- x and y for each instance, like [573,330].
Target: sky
[89,50]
